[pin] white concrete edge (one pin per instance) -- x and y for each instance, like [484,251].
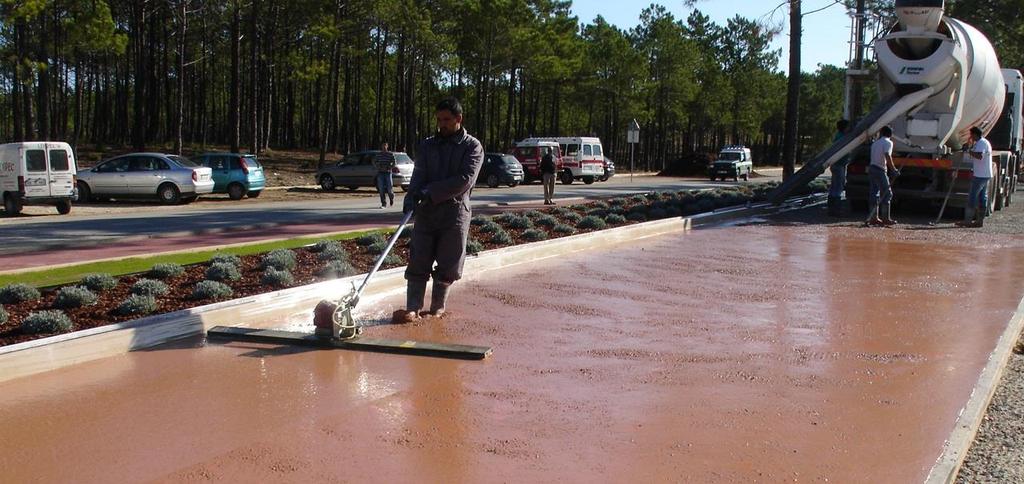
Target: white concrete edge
[33,357]
[970,417]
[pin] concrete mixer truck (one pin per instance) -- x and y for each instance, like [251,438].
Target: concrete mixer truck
[937,77]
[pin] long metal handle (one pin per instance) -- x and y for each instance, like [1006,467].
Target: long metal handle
[383,255]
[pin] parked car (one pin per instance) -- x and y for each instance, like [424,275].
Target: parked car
[236,174]
[609,169]
[170,178]
[358,170]
[37,173]
[733,162]
[500,169]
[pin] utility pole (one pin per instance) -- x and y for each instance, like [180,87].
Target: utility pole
[857,97]
[789,137]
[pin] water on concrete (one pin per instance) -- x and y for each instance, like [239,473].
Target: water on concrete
[742,353]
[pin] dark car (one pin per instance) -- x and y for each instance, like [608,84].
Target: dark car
[609,169]
[501,169]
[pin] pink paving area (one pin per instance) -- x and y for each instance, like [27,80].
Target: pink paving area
[758,353]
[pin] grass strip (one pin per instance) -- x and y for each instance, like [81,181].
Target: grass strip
[133,265]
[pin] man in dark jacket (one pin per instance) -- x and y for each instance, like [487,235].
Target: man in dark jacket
[447,166]
[547,172]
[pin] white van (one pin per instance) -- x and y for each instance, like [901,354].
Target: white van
[582,158]
[37,173]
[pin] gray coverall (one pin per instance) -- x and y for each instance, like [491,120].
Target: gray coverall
[447,169]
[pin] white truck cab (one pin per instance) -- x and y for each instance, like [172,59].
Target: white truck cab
[37,173]
[733,162]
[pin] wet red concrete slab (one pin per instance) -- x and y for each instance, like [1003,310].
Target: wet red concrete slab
[747,353]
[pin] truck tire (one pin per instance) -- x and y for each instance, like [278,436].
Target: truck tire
[589,180]
[492,181]
[12,206]
[236,191]
[566,178]
[64,207]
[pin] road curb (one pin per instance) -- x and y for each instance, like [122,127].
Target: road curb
[971,416]
[295,304]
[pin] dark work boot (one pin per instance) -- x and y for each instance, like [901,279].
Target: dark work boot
[415,290]
[438,297]
[835,207]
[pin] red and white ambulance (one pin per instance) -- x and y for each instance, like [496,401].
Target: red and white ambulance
[582,158]
[529,153]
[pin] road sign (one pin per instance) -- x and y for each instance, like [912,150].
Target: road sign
[633,138]
[633,133]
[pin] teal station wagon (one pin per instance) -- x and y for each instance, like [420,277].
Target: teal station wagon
[236,174]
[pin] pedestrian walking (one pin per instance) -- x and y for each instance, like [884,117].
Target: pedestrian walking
[977,201]
[385,185]
[447,166]
[880,188]
[838,185]
[547,172]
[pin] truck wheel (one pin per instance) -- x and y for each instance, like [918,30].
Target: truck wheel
[169,194]
[64,207]
[589,180]
[327,183]
[492,180]
[236,191]
[566,178]
[84,193]
[11,205]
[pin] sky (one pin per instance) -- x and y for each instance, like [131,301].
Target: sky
[826,33]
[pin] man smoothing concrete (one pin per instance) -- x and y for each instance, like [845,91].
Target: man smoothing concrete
[447,166]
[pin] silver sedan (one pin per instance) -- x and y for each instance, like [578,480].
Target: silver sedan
[170,178]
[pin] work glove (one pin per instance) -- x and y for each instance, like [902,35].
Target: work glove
[414,200]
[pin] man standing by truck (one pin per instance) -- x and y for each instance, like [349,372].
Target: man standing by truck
[447,166]
[880,190]
[838,185]
[977,200]
[547,173]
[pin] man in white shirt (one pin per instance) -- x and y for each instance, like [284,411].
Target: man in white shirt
[878,176]
[977,201]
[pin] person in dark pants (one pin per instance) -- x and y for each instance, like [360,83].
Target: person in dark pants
[447,166]
[385,186]
[547,173]
[838,185]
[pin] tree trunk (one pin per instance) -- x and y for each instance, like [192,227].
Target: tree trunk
[179,121]
[234,107]
[789,142]
[254,142]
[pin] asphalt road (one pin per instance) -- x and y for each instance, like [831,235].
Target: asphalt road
[40,232]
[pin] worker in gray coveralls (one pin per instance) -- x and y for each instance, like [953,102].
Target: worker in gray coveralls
[447,166]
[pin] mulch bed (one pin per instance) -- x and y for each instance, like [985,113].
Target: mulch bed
[308,264]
